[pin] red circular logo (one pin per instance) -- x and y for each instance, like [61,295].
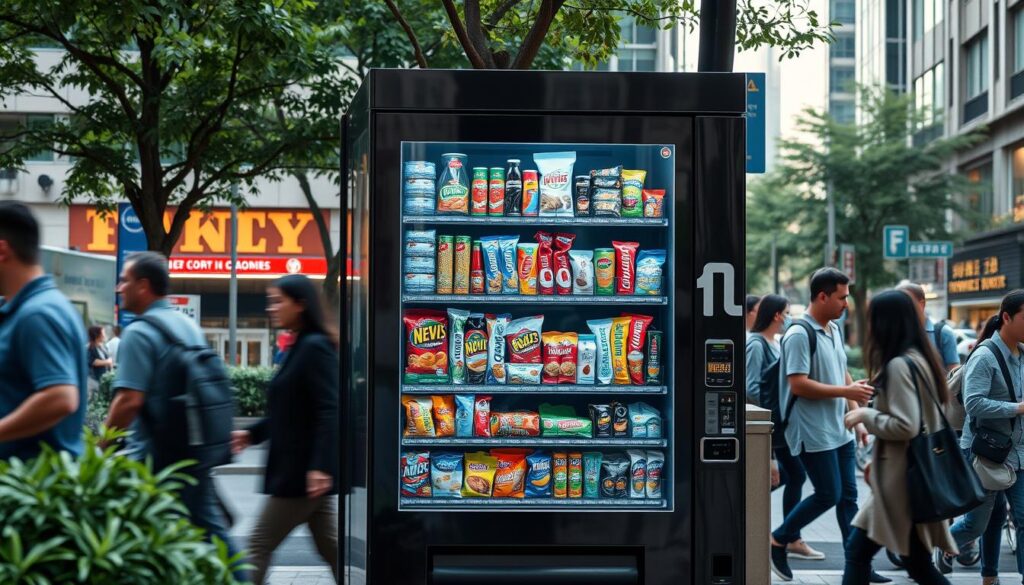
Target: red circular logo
[666,152]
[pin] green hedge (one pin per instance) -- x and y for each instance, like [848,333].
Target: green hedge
[250,386]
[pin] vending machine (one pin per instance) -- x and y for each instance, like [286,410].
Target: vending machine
[543,326]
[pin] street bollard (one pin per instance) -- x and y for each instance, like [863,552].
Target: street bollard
[758,496]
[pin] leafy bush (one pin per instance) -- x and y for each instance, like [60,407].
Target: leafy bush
[101,519]
[855,357]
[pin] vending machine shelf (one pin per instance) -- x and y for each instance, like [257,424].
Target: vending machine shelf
[532,389]
[532,503]
[529,442]
[536,299]
[501,220]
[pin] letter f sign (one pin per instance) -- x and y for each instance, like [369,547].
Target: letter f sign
[895,242]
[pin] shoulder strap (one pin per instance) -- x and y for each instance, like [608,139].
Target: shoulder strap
[812,343]
[938,336]
[914,373]
[991,345]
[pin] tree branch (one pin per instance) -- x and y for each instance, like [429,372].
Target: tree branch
[535,38]
[417,51]
[475,32]
[460,31]
[500,13]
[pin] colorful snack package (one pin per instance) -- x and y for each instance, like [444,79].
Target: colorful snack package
[635,347]
[419,265]
[510,276]
[524,374]
[464,405]
[463,248]
[423,284]
[602,330]
[444,415]
[482,416]
[632,190]
[426,345]
[419,418]
[479,476]
[567,351]
[475,349]
[453,186]
[515,424]
[545,264]
[655,471]
[625,266]
[592,474]
[510,478]
[538,481]
[418,169]
[416,474]
[650,272]
[644,420]
[446,475]
[582,195]
[561,421]
[496,348]
[582,271]
[575,475]
[457,344]
[428,237]
[563,271]
[523,337]
[604,271]
[653,371]
[620,419]
[445,264]
[601,416]
[637,473]
[615,476]
[620,340]
[609,178]
[654,203]
[607,202]
[555,182]
[531,193]
[492,264]
[560,474]
[586,357]
[527,268]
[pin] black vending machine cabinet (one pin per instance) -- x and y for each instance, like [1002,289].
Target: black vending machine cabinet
[543,316]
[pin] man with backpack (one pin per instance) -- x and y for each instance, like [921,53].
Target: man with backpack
[816,392]
[941,336]
[169,379]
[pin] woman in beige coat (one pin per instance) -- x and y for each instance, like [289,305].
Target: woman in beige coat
[895,332]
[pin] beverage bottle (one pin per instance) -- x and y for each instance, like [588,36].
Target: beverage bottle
[496,198]
[513,188]
[478,204]
[476,270]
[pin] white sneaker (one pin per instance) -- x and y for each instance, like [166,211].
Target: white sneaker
[801,550]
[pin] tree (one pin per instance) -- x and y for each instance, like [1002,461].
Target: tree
[878,176]
[181,100]
[511,34]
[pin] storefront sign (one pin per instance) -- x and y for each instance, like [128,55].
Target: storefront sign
[188,305]
[977,275]
[247,266]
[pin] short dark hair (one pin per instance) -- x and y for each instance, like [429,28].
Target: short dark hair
[94,333]
[19,228]
[913,289]
[117,330]
[751,302]
[151,266]
[827,280]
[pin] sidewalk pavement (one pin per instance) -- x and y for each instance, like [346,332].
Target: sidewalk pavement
[302,576]
[898,578]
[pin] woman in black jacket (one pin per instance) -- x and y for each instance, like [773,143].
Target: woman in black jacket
[302,427]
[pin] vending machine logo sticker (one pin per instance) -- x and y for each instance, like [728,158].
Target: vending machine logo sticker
[666,152]
[706,282]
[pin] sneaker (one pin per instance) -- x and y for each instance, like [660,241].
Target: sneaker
[803,551]
[780,563]
[943,562]
[969,554]
[876,578]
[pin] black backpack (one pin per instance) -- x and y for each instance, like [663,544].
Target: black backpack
[189,405]
[769,396]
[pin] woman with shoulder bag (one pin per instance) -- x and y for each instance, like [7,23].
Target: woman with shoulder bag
[911,386]
[302,427]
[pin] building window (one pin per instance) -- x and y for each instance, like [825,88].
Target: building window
[927,14]
[1018,40]
[844,47]
[638,49]
[977,66]
[844,11]
[40,122]
[1017,183]
[978,201]
[929,95]
[842,111]
[841,79]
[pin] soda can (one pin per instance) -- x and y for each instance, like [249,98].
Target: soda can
[655,371]
[604,271]
[575,475]
[531,193]
[496,194]
[445,263]
[478,204]
[560,474]
[476,270]
[463,249]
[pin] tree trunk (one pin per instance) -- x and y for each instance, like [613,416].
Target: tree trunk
[860,313]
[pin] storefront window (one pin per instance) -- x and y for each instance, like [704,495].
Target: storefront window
[977,203]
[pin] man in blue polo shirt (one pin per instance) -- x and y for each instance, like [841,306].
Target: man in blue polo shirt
[43,368]
[941,336]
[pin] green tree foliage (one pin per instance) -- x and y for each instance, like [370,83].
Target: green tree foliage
[878,177]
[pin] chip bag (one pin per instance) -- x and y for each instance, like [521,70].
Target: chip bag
[538,481]
[561,421]
[515,424]
[479,475]
[510,477]
[416,474]
[620,340]
[482,416]
[444,415]
[419,420]
[446,475]
[426,347]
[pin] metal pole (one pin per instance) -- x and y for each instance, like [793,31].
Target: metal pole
[233,286]
[775,264]
[830,252]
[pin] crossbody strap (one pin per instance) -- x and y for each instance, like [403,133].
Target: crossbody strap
[992,347]
[914,374]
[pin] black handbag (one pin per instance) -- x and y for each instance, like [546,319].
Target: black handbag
[941,483]
[989,443]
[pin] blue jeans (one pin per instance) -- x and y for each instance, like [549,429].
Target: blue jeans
[791,479]
[205,512]
[834,477]
[985,522]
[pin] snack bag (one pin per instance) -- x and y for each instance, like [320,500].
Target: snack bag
[560,474]
[632,189]
[650,272]
[586,351]
[620,419]
[559,358]
[602,330]
[475,349]
[527,268]
[637,473]
[446,475]
[496,348]
[620,339]
[563,271]
[426,347]
[479,475]
[575,475]
[582,271]
[592,474]
[419,419]
[493,275]
[482,416]
[601,417]
[538,481]
[615,476]
[555,182]
[644,420]
[510,478]
[635,347]
[416,474]
[523,337]
[444,415]
[545,264]
[456,344]
[515,424]
[464,405]
[625,266]
[561,421]
[655,470]
[509,273]
[654,203]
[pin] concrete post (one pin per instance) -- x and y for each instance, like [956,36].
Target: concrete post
[758,496]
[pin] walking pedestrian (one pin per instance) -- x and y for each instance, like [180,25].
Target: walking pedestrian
[816,393]
[941,336]
[99,360]
[762,352]
[143,286]
[992,389]
[911,384]
[113,343]
[302,427]
[43,368]
[751,303]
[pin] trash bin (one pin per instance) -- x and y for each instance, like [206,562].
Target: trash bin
[759,501]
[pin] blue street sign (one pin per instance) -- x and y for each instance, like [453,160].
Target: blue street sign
[755,123]
[930,250]
[131,238]
[895,240]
